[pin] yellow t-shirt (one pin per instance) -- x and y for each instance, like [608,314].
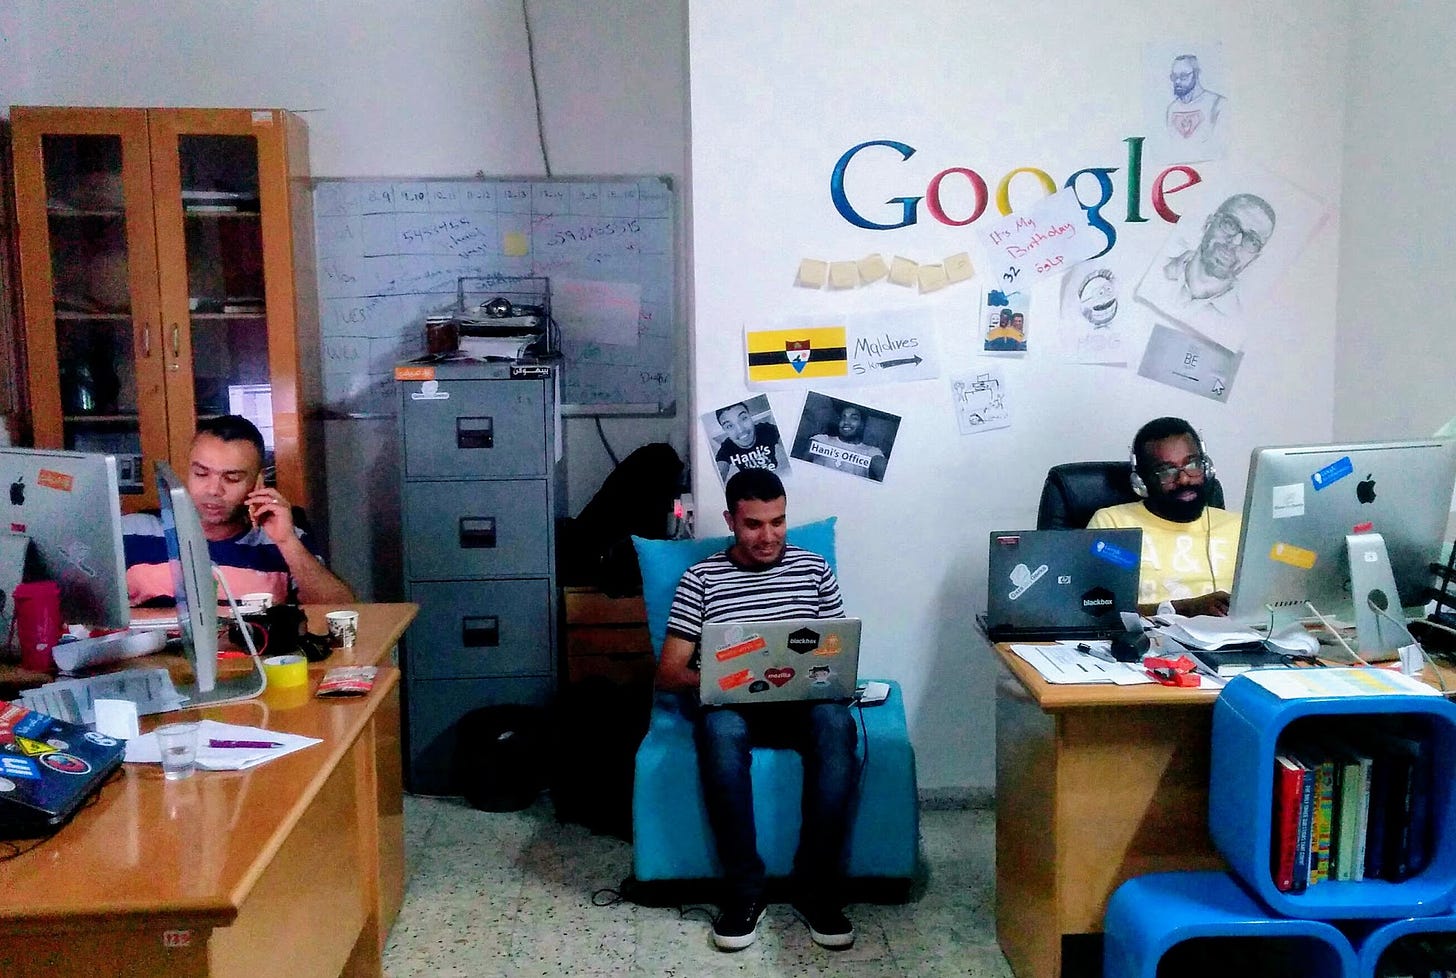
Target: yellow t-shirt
[1180,560]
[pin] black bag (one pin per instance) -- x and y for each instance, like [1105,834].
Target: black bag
[596,730]
[636,498]
[498,756]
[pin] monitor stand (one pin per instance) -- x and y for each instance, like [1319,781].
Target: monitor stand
[1373,582]
[231,690]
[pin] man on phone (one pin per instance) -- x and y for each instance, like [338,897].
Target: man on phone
[250,532]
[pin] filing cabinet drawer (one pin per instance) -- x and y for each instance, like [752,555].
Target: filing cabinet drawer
[474,429]
[477,529]
[481,628]
[434,708]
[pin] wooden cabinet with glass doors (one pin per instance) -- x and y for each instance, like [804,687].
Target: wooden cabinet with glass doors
[161,255]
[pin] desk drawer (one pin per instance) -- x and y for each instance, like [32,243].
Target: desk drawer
[480,629]
[477,529]
[475,429]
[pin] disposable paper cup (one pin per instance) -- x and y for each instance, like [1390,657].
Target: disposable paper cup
[343,628]
[256,602]
[178,744]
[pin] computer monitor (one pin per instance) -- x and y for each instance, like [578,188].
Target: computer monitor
[196,595]
[1308,515]
[67,504]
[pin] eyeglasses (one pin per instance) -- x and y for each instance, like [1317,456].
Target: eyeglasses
[1227,226]
[1194,468]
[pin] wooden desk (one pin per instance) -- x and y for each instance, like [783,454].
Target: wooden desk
[295,867]
[273,871]
[1094,785]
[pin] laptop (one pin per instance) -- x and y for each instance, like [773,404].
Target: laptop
[48,768]
[1044,585]
[782,661]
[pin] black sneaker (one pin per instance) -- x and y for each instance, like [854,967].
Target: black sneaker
[737,925]
[827,924]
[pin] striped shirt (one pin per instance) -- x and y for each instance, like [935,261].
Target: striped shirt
[250,562]
[799,585]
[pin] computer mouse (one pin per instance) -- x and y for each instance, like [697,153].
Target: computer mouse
[1296,639]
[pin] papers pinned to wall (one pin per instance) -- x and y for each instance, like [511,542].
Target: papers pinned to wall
[980,401]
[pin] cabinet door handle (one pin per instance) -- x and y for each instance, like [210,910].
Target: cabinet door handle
[176,341]
[480,631]
[477,532]
[147,340]
[475,432]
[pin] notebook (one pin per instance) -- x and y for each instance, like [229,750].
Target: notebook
[779,661]
[48,768]
[1043,585]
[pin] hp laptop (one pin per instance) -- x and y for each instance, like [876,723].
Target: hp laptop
[779,661]
[1043,585]
[48,768]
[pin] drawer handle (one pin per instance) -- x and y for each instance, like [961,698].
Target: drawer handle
[480,631]
[477,532]
[475,432]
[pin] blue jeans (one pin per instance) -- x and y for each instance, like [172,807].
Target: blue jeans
[824,735]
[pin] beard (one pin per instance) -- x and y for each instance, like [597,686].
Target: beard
[1175,510]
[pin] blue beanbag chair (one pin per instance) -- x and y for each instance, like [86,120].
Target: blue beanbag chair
[671,838]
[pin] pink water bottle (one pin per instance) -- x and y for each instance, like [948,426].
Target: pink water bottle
[37,623]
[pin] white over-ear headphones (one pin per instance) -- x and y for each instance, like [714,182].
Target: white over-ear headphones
[1140,488]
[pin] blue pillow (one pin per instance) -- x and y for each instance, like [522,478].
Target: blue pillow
[663,562]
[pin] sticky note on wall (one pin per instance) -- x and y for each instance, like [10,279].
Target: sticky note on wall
[843,275]
[515,245]
[932,278]
[872,268]
[812,273]
[958,268]
[902,271]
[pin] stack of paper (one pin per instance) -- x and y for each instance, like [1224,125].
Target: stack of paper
[1207,631]
[225,746]
[1064,663]
[74,700]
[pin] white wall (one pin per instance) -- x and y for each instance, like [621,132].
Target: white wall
[776,100]
[391,89]
[1397,297]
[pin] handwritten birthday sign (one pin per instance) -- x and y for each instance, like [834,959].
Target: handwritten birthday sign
[1046,239]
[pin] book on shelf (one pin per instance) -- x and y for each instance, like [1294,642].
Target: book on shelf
[1304,827]
[1288,791]
[1354,810]
[1317,760]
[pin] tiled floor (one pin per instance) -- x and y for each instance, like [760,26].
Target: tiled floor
[512,894]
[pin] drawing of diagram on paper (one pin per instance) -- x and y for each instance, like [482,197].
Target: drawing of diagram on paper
[980,402]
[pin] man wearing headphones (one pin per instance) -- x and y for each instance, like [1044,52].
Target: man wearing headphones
[1189,547]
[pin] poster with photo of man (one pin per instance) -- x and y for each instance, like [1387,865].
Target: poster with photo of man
[845,436]
[1005,322]
[744,435]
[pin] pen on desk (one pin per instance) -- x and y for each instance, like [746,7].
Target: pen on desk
[255,744]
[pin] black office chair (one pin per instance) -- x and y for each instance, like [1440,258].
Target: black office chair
[1075,490]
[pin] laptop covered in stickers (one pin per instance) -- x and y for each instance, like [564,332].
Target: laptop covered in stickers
[781,661]
[1045,585]
[48,769]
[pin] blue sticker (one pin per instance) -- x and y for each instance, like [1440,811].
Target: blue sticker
[1332,473]
[1114,554]
[18,767]
[33,725]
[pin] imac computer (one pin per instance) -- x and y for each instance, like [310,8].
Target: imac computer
[1338,528]
[196,594]
[62,523]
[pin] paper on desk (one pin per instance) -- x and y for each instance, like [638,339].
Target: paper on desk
[1063,664]
[144,749]
[73,699]
[1294,684]
[496,347]
[1207,631]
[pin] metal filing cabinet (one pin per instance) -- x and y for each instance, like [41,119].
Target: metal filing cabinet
[481,494]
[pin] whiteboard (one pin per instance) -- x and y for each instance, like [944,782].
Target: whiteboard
[390,253]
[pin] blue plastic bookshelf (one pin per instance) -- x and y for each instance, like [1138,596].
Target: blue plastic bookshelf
[1251,724]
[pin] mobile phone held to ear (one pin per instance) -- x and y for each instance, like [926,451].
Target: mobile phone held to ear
[253,510]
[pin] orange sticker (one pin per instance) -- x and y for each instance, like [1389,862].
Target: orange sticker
[54,480]
[734,680]
[831,646]
[754,644]
[1288,553]
[414,373]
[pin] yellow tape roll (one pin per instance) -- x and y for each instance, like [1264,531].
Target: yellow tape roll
[285,671]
